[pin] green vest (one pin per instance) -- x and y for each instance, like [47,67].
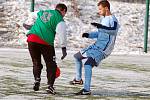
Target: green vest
[45,25]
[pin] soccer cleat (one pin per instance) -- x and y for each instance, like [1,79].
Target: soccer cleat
[83,92]
[51,90]
[36,86]
[74,82]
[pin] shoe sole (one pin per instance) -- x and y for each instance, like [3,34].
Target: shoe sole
[49,91]
[75,83]
[82,94]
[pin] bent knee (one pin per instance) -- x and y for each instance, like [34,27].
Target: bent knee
[90,61]
[78,56]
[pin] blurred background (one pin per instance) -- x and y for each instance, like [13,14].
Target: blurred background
[130,13]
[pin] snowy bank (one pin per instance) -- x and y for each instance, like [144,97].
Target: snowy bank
[130,38]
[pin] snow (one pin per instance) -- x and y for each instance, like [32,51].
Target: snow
[130,15]
[118,77]
[114,79]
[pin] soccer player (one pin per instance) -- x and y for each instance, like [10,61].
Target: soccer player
[40,40]
[102,48]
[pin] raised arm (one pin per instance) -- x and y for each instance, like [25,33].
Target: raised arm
[91,35]
[109,30]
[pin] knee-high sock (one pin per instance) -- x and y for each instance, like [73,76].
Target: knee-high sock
[88,75]
[78,64]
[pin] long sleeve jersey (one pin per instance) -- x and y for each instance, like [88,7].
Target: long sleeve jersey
[47,24]
[105,36]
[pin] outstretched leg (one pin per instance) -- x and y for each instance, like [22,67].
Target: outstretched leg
[78,66]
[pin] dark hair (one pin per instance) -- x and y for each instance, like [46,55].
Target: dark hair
[104,3]
[61,7]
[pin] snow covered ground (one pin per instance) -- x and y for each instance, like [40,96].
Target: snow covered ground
[130,38]
[119,77]
[112,80]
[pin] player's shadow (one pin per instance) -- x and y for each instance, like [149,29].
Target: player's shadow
[110,93]
[121,93]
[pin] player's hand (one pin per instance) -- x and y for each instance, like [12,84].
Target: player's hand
[85,35]
[64,53]
[97,25]
[27,27]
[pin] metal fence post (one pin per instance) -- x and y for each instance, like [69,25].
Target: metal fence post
[32,5]
[146,26]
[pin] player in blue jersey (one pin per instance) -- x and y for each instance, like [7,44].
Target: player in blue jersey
[95,53]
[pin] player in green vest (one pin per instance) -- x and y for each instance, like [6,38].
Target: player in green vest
[45,25]
[41,42]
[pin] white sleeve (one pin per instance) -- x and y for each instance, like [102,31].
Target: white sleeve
[61,31]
